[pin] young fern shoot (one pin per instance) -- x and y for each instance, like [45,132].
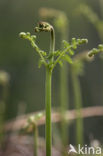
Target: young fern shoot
[61,23]
[31,126]
[50,60]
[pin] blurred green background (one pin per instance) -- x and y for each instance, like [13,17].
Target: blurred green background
[19,60]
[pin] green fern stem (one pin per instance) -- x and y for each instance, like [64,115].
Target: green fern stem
[48,85]
[48,131]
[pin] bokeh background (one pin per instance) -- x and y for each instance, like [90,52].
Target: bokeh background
[26,88]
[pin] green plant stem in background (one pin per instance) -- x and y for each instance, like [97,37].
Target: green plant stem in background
[4,80]
[101,7]
[2,113]
[35,141]
[64,102]
[64,92]
[78,106]
[32,127]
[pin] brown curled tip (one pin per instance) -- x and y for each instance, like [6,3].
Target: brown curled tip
[43,26]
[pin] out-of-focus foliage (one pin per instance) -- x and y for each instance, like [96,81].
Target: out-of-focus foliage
[79,62]
[4,78]
[95,51]
[92,17]
[59,18]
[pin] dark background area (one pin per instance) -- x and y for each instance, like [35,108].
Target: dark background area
[20,61]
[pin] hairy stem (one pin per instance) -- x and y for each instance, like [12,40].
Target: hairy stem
[48,132]
[78,106]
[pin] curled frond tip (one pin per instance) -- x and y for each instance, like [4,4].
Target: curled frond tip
[43,26]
